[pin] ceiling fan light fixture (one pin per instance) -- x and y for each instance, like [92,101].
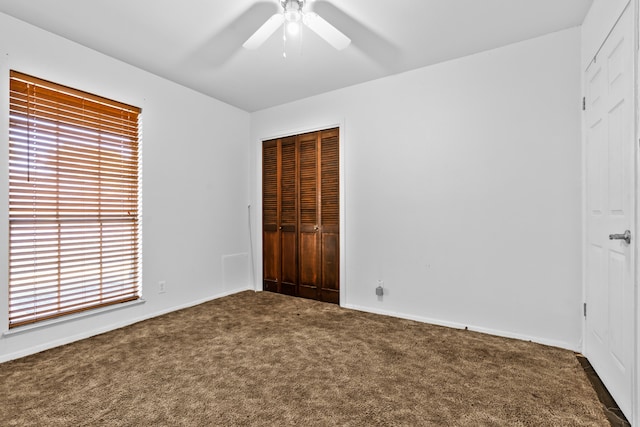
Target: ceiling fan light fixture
[293,27]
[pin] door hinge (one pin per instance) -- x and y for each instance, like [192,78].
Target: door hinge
[584,103]
[584,309]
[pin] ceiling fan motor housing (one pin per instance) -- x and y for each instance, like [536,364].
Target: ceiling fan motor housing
[292,10]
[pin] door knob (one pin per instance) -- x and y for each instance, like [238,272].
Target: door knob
[626,236]
[315,228]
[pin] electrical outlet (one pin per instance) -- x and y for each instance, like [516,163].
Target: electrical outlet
[162,287]
[380,288]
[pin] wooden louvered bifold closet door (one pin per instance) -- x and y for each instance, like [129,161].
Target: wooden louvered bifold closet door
[329,217]
[309,224]
[301,215]
[270,204]
[288,217]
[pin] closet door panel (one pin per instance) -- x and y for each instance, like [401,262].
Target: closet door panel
[308,266]
[271,261]
[330,289]
[329,216]
[270,234]
[309,256]
[288,217]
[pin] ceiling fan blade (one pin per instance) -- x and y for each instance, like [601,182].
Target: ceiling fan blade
[264,32]
[331,34]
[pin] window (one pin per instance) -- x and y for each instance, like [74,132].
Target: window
[73,201]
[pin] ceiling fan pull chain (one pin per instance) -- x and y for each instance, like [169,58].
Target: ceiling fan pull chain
[284,40]
[301,37]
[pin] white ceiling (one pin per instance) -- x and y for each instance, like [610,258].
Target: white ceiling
[197,43]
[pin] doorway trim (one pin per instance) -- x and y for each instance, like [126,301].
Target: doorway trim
[635,391]
[256,207]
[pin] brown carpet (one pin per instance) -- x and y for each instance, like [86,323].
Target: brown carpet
[271,360]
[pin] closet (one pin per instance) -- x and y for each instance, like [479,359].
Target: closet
[301,215]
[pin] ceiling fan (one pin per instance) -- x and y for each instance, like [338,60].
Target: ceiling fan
[291,18]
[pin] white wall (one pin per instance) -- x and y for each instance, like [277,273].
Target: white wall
[462,189]
[194,197]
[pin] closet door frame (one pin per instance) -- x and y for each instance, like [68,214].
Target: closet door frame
[256,214]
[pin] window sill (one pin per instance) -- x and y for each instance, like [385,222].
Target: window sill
[71,317]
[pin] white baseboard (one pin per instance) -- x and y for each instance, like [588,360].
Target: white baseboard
[97,331]
[455,325]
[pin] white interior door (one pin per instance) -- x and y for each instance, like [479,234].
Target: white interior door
[610,169]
